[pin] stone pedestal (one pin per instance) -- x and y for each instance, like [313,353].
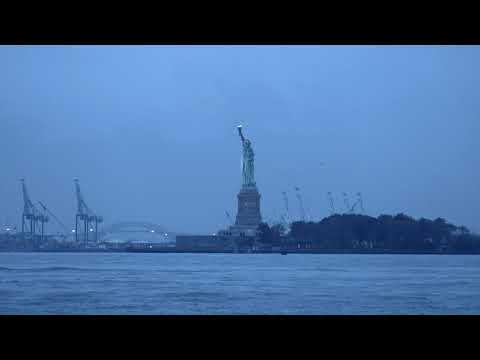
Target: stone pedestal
[248,212]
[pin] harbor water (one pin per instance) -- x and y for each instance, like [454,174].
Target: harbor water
[142,283]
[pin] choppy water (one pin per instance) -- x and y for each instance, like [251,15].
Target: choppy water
[120,283]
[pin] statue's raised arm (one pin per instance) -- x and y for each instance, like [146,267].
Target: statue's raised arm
[239,127]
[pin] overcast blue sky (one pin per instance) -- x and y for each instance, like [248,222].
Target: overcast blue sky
[150,131]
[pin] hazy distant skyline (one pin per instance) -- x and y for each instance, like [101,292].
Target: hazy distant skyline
[150,131]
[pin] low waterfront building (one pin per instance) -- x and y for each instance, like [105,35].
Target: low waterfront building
[201,243]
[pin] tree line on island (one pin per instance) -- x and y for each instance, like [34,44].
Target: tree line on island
[343,232]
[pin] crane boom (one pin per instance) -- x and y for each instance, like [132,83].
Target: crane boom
[82,207]
[28,207]
[228,216]
[79,197]
[53,216]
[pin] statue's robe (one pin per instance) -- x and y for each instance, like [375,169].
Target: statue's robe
[248,165]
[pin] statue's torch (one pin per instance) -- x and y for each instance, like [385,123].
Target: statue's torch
[239,127]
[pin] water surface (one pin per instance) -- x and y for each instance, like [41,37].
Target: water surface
[135,283]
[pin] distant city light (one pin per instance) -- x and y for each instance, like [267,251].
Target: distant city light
[8,229]
[91,230]
[152,231]
[166,234]
[73,230]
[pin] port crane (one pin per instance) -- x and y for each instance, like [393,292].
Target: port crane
[360,202]
[330,199]
[275,217]
[85,214]
[352,209]
[33,216]
[346,202]
[285,200]
[300,203]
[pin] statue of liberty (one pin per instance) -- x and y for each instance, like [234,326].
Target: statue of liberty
[247,160]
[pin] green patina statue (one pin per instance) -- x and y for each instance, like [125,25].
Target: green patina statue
[247,160]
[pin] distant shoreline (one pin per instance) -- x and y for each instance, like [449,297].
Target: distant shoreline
[304,252]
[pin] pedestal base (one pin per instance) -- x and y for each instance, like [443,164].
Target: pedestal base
[248,213]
